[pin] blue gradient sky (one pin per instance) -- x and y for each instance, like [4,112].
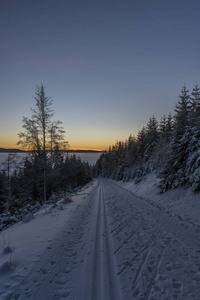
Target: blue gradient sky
[108,65]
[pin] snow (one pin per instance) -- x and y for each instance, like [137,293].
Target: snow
[115,240]
[181,201]
[29,240]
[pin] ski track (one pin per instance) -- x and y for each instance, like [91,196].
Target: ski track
[117,246]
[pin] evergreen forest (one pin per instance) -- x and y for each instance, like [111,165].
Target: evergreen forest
[48,171]
[170,147]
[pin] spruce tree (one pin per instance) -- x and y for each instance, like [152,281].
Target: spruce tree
[163,126]
[151,135]
[141,142]
[182,110]
[195,106]
[169,127]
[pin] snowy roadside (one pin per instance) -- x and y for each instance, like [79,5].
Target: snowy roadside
[115,240]
[22,244]
[181,203]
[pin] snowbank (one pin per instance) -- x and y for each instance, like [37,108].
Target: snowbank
[177,202]
[22,244]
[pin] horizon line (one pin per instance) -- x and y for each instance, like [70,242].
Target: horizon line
[74,149]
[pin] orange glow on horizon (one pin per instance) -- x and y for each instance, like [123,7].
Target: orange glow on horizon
[14,146]
[83,139]
[94,149]
[77,143]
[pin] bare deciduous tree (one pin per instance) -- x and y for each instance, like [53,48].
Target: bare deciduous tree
[40,131]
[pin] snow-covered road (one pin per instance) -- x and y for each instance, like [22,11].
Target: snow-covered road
[116,245]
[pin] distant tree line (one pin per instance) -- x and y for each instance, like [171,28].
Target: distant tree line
[48,170]
[171,147]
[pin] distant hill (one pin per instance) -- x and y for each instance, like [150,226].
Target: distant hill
[84,151]
[4,150]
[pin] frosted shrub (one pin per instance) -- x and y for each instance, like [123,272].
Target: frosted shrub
[5,246]
[66,200]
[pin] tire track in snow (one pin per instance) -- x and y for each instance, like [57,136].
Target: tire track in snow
[96,288]
[105,278]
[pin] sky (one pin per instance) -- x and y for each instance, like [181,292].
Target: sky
[108,65]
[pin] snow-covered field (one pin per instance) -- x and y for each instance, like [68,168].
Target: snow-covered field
[114,241]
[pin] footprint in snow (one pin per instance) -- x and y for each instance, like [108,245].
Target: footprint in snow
[67,271]
[8,266]
[60,283]
[44,271]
